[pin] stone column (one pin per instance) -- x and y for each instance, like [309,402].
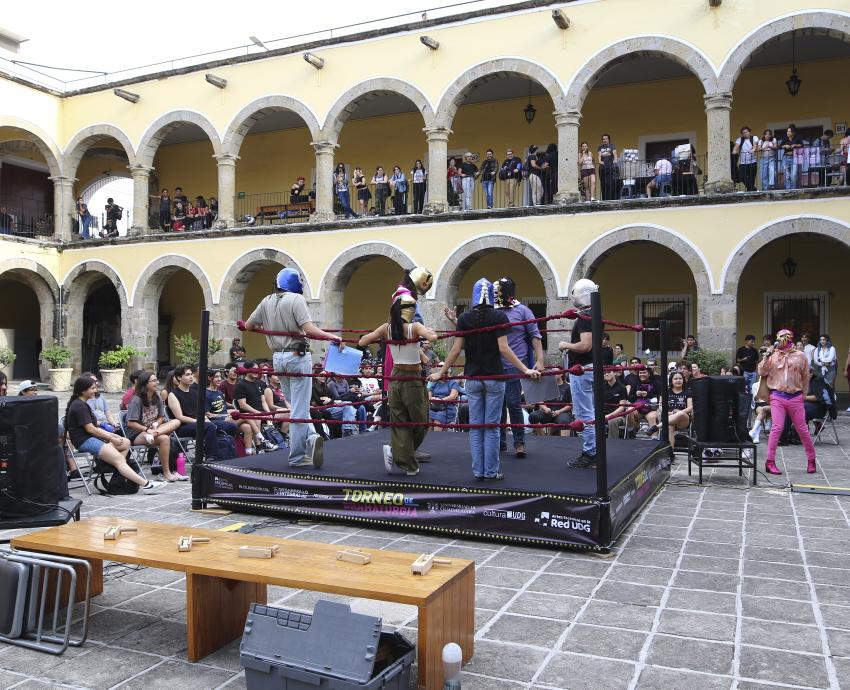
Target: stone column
[718,108]
[438,147]
[141,198]
[63,207]
[567,124]
[223,328]
[226,189]
[324,181]
[717,323]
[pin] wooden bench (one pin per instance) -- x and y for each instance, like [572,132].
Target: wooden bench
[220,585]
[272,212]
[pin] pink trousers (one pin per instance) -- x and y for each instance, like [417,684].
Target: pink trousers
[779,408]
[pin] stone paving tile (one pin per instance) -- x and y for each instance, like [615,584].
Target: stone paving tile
[562,584]
[173,674]
[708,626]
[834,594]
[696,600]
[632,617]
[656,678]
[547,605]
[714,582]
[578,566]
[842,670]
[608,642]
[502,577]
[765,587]
[505,661]
[694,655]
[473,682]
[787,667]
[166,638]
[640,575]
[575,672]
[839,642]
[799,638]
[539,632]
[777,610]
[492,597]
[835,616]
[623,593]
[100,668]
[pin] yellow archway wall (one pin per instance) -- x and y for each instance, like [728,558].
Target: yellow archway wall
[261,284]
[499,264]
[641,269]
[190,166]
[821,262]
[183,300]
[368,295]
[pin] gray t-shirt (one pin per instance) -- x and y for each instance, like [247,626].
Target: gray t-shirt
[282,311]
[143,414]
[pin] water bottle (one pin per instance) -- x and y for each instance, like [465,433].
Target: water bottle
[181,463]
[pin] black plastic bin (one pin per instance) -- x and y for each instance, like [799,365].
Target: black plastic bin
[332,649]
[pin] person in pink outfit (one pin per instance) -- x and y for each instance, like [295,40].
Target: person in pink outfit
[786,370]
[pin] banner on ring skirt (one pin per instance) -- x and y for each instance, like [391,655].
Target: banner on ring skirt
[543,519]
[637,488]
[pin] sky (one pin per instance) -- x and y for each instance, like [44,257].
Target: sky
[96,35]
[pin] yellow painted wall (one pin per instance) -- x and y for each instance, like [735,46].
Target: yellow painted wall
[183,301]
[260,286]
[641,269]
[369,293]
[272,161]
[91,169]
[190,166]
[499,264]
[821,265]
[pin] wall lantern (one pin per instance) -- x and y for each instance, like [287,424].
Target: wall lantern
[794,82]
[789,267]
[529,111]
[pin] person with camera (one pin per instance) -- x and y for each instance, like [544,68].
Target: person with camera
[84,218]
[746,147]
[488,172]
[114,213]
[786,370]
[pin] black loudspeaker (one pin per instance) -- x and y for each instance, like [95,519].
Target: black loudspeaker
[721,409]
[30,471]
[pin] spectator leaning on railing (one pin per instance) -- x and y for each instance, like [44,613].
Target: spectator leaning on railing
[382,190]
[488,172]
[767,152]
[746,146]
[588,171]
[341,187]
[398,184]
[358,179]
[468,173]
[510,173]
[788,149]
[418,178]
[534,173]
[607,155]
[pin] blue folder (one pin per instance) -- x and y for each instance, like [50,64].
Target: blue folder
[345,363]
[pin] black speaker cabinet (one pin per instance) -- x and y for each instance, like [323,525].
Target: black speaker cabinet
[721,409]
[30,467]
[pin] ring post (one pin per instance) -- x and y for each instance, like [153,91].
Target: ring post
[599,421]
[197,493]
[665,381]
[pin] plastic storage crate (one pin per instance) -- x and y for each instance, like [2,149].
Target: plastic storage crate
[332,649]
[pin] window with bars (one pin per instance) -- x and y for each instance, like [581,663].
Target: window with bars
[800,312]
[652,309]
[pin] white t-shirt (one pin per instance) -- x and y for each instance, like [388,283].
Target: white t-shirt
[663,167]
[746,149]
[369,387]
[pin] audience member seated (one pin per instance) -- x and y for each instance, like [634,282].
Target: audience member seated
[663,178]
[4,385]
[681,405]
[341,391]
[370,390]
[620,357]
[631,380]
[98,405]
[277,404]
[443,396]
[696,372]
[250,397]
[131,391]
[559,412]
[607,350]
[298,192]
[762,410]
[87,437]
[146,425]
[237,352]
[28,389]
[228,384]
[616,400]
[218,411]
[645,397]
[321,397]
[183,404]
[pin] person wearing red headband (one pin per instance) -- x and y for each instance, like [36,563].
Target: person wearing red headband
[786,370]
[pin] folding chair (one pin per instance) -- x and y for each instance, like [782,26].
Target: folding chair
[137,453]
[828,418]
[86,465]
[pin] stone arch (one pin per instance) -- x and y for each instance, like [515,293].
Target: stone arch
[760,237]
[83,140]
[27,131]
[160,128]
[636,47]
[244,268]
[835,24]
[256,110]
[346,104]
[492,69]
[76,289]
[592,255]
[451,273]
[339,272]
[41,281]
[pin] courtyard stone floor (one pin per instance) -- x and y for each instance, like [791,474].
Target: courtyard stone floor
[713,586]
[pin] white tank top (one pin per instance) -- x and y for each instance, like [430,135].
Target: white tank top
[405,354]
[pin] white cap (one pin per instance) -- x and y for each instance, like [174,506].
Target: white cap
[26,385]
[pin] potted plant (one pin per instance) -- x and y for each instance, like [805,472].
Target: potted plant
[7,357]
[60,374]
[112,365]
[188,349]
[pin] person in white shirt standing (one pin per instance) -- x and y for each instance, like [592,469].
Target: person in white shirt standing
[746,146]
[825,360]
[807,347]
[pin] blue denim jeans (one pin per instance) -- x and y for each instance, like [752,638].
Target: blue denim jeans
[467,185]
[789,169]
[513,403]
[488,191]
[768,172]
[297,390]
[581,388]
[346,414]
[749,380]
[485,407]
[85,224]
[345,202]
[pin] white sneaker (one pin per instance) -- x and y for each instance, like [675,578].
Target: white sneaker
[315,450]
[152,487]
[388,458]
[848,409]
[177,477]
[754,435]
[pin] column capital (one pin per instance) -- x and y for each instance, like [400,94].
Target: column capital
[564,118]
[437,133]
[62,180]
[226,158]
[140,169]
[324,148]
[718,101]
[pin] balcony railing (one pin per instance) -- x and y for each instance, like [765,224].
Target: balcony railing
[25,217]
[806,167]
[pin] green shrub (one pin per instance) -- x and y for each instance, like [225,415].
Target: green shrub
[6,356]
[188,349]
[117,358]
[57,355]
[709,361]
